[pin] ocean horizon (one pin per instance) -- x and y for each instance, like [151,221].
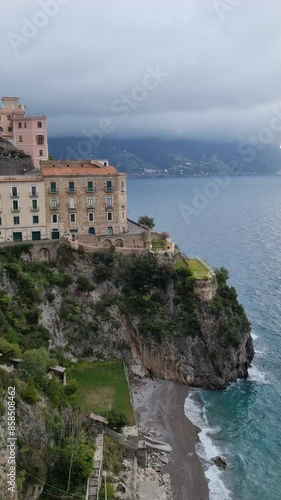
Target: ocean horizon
[235,223]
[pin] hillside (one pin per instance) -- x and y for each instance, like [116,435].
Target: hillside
[139,309]
[152,157]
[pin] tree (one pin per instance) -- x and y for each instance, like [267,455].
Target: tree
[146,221]
[9,350]
[35,364]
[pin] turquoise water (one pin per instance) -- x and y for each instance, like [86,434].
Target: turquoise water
[237,226]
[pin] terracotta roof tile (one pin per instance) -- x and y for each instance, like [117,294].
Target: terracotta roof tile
[78,171]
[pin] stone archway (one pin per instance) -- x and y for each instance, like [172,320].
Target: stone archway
[119,243]
[107,243]
[43,254]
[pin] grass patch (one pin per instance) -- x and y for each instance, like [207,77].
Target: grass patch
[102,386]
[198,269]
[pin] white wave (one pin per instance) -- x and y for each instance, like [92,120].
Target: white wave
[206,449]
[257,375]
[254,336]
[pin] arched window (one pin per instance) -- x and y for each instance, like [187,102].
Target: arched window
[1,129]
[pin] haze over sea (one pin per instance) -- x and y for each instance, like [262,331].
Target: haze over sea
[240,229]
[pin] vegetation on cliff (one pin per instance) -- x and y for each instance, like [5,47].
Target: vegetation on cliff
[104,306]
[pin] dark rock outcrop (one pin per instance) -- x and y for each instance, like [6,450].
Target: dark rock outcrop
[13,161]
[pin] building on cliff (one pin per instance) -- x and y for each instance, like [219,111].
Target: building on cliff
[66,199]
[27,133]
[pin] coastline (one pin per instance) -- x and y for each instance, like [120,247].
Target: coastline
[159,405]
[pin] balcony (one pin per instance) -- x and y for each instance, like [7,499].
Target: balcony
[72,209]
[15,209]
[34,209]
[109,189]
[56,207]
[71,191]
[34,195]
[53,191]
[90,190]
[15,195]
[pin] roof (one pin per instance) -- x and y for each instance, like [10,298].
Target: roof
[20,178]
[78,171]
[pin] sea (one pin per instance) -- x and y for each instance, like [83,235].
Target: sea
[236,223]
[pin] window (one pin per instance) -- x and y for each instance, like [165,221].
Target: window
[110,216]
[71,202]
[92,230]
[123,215]
[24,124]
[39,124]
[109,186]
[36,235]
[122,186]
[109,201]
[15,192]
[54,203]
[71,187]
[55,234]
[110,231]
[72,218]
[33,191]
[35,219]
[90,187]
[53,187]
[10,130]
[9,117]
[34,205]
[20,125]
[91,217]
[90,201]
[55,219]
[20,138]
[40,139]
[1,129]
[41,152]
[15,206]
[0,221]
[122,200]
[16,220]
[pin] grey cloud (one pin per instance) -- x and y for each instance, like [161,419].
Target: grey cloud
[223,75]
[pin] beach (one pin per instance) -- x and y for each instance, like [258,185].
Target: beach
[160,409]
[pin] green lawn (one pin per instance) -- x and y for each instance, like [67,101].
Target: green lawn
[102,386]
[198,269]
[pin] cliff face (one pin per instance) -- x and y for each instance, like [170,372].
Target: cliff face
[142,309]
[14,161]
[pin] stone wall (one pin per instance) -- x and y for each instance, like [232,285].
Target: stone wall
[205,289]
[41,251]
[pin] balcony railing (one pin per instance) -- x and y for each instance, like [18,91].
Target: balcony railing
[54,207]
[109,189]
[34,195]
[72,209]
[71,191]
[90,190]
[53,191]
[14,195]
[33,209]
[15,209]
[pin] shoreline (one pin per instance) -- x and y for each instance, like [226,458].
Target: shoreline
[159,405]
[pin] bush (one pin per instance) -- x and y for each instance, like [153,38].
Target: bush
[110,492]
[116,419]
[83,283]
[9,350]
[29,393]
[35,364]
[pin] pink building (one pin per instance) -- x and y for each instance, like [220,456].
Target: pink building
[26,132]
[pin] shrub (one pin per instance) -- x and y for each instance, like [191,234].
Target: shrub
[83,283]
[35,364]
[29,393]
[116,419]
[9,350]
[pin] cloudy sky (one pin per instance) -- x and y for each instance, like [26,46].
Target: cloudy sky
[206,69]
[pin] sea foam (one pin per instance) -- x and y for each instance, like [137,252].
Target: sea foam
[206,449]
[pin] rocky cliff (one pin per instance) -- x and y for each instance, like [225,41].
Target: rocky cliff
[143,310]
[13,161]
[101,306]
